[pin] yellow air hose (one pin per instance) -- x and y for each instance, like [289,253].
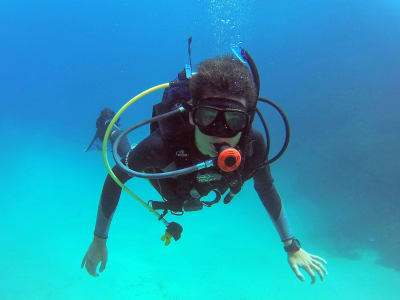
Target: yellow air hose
[107,135]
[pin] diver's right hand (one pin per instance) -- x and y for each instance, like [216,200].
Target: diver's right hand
[96,253]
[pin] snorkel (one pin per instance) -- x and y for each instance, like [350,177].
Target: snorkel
[245,58]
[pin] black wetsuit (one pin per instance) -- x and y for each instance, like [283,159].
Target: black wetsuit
[153,154]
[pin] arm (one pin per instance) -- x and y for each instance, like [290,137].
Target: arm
[97,251]
[140,158]
[263,184]
[147,155]
[108,202]
[297,257]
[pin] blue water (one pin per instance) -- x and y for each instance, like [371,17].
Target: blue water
[333,66]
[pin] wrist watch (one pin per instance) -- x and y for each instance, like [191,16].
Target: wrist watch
[293,247]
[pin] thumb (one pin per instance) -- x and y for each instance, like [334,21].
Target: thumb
[83,261]
[103,265]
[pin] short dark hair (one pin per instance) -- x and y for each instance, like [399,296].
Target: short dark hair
[225,75]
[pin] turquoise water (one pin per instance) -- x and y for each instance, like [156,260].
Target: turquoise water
[333,67]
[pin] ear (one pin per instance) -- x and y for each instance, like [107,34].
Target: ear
[191,118]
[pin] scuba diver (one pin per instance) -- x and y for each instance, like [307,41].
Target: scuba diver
[215,126]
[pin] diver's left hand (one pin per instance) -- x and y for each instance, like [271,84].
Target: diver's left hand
[308,262]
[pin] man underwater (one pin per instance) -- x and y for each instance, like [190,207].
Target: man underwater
[223,100]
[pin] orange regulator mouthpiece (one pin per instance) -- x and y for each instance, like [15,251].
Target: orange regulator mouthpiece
[229,159]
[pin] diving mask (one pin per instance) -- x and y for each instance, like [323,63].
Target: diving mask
[220,117]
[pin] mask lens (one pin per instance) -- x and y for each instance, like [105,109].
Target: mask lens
[204,116]
[236,120]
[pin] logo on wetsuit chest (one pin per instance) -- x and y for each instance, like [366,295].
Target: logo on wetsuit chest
[208,177]
[181,153]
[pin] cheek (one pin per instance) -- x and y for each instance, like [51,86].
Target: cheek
[203,139]
[199,136]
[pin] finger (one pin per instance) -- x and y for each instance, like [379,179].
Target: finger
[320,266]
[83,261]
[297,272]
[91,268]
[311,273]
[318,270]
[103,265]
[318,258]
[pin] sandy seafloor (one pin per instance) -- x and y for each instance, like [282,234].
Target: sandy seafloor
[226,252]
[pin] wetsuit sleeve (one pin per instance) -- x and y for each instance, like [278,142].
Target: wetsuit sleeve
[108,202]
[263,184]
[147,155]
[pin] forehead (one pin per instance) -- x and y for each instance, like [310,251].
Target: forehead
[240,100]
